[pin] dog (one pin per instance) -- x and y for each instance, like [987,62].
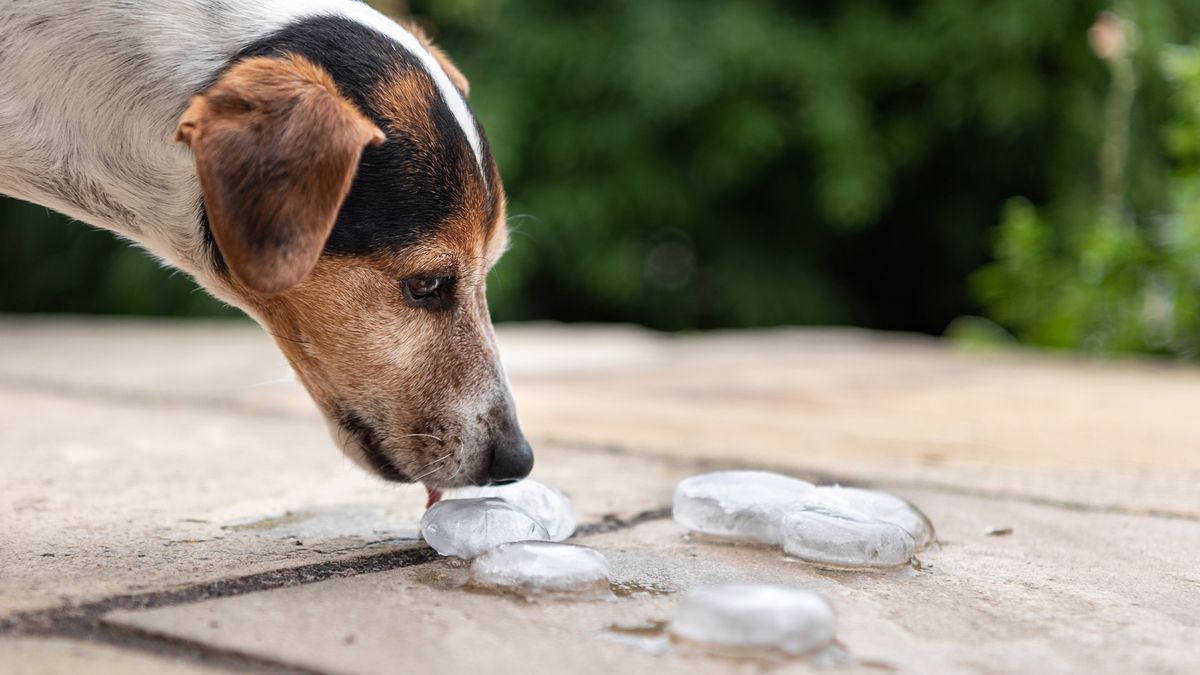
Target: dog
[310,162]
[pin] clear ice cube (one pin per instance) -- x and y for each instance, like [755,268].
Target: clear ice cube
[540,567]
[743,506]
[548,506]
[879,506]
[467,528]
[838,538]
[755,617]
[830,525]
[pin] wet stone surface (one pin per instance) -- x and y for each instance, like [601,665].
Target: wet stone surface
[1064,494]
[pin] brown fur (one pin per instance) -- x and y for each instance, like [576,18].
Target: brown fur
[456,77]
[428,385]
[276,150]
[406,101]
[356,344]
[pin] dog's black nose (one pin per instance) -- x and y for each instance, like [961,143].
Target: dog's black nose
[512,460]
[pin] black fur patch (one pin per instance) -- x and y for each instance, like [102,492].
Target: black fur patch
[398,196]
[372,448]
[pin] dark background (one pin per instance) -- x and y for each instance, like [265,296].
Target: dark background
[692,164]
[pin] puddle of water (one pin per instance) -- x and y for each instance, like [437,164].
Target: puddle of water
[271,523]
[651,637]
[650,629]
[448,577]
[636,589]
[452,574]
[913,568]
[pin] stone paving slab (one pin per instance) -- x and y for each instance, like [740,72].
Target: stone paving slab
[1115,436]
[226,364]
[100,498]
[55,657]
[1066,592]
[858,405]
[149,457]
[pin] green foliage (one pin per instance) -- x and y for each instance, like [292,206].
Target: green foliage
[1103,282]
[789,162]
[703,163]
[48,264]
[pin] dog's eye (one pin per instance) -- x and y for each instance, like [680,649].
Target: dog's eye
[419,289]
[427,292]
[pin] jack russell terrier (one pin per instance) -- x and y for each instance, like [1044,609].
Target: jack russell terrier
[309,161]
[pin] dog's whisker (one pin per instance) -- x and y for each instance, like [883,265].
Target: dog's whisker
[268,383]
[436,438]
[288,339]
[418,477]
[432,467]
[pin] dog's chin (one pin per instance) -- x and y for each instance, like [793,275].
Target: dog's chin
[361,445]
[375,459]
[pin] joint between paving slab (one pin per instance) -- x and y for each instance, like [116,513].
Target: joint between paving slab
[131,639]
[86,622]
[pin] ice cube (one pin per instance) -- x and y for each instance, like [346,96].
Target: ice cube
[845,539]
[879,506]
[830,525]
[738,505]
[548,506]
[540,567]
[755,617]
[467,528]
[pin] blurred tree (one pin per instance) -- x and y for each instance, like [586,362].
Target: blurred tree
[1107,276]
[702,163]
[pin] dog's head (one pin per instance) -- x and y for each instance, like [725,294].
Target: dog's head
[356,211]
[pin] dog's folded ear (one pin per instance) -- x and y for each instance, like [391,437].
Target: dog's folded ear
[276,148]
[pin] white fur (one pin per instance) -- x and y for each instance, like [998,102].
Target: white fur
[90,98]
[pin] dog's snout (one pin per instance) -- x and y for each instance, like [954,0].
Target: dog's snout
[512,460]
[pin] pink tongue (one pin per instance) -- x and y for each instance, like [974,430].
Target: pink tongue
[435,495]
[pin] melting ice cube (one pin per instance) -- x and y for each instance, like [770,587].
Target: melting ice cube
[467,528]
[739,505]
[831,525]
[548,506]
[537,567]
[880,506]
[838,538]
[755,617]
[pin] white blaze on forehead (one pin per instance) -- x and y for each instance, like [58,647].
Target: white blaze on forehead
[364,14]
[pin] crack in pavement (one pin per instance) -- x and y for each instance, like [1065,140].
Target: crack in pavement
[85,622]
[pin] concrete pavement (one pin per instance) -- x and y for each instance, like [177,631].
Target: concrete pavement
[169,499]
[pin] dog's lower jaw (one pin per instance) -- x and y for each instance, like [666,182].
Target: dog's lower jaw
[358,443]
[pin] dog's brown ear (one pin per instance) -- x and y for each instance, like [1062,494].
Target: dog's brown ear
[276,147]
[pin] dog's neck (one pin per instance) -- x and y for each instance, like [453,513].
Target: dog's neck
[93,90]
